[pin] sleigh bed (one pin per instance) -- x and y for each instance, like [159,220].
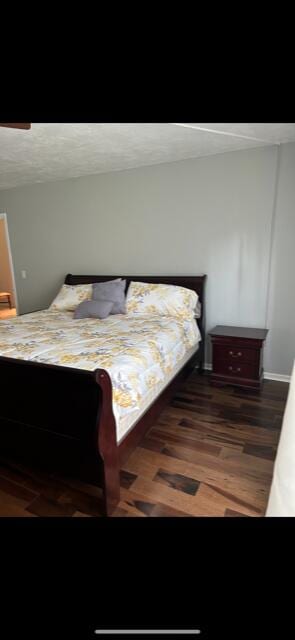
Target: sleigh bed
[62,417]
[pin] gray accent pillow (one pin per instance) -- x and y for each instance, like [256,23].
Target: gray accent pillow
[93,309]
[113,291]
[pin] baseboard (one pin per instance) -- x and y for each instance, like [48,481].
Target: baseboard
[278,377]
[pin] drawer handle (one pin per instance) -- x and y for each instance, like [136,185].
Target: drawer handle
[237,369]
[231,353]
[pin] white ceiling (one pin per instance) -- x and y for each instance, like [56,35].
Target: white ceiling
[49,152]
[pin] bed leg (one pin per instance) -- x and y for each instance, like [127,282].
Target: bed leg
[111,488]
[107,445]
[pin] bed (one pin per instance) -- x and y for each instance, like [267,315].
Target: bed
[66,413]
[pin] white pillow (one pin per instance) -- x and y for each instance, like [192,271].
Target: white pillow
[198,310]
[70,296]
[161,299]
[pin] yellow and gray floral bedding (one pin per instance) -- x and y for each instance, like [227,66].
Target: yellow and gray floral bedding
[138,352]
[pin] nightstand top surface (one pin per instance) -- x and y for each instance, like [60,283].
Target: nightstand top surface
[239,332]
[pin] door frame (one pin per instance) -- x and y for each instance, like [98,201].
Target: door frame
[3,216]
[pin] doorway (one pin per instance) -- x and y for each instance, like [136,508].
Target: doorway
[8,296]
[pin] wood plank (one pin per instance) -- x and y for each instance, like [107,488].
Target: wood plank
[45,507]
[190,436]
[251,506]
[16,125]
[261,452]
[146,464]
[177,481]
[12,506]
[230,513]
[135,503]
[173,498]
[219,501]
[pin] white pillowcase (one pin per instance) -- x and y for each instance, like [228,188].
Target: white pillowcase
[161,299]
[70,296]
[198,310]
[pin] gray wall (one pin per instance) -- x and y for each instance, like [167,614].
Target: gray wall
[210,215]
[280,351]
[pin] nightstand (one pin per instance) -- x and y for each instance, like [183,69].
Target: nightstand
[238,356]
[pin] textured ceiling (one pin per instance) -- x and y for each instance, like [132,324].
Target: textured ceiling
[49,152]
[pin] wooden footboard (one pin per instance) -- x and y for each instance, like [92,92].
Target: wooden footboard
[106,441]
[62,417]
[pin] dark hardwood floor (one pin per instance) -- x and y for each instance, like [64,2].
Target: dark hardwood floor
[210,453]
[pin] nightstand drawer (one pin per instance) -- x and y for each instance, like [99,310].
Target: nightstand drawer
[237,369]
[234,355]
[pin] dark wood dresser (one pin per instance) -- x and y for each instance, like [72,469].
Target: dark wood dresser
[238,355]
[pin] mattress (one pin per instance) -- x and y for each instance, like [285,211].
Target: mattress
[141,354]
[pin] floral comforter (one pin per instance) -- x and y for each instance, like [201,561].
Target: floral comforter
[137,352]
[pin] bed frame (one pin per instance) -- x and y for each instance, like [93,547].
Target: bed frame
[62,418]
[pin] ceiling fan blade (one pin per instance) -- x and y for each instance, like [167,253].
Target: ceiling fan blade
[16,125]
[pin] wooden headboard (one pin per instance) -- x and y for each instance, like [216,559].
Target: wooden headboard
[196,283]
